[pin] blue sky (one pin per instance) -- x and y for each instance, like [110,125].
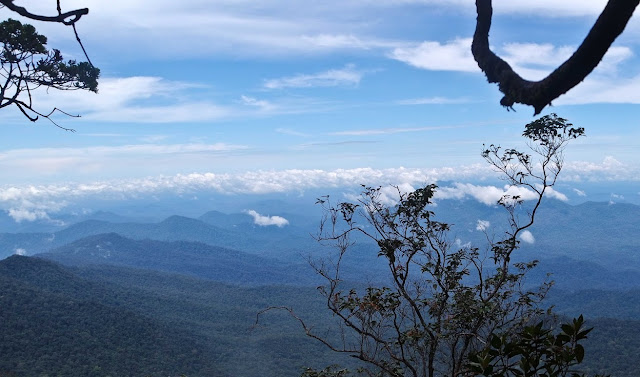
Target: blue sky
[261,96]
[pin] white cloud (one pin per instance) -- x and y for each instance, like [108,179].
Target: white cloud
[22,214]
[534,61]
[263,105]
[539,59]
[482,225]
[334,77]
[579,192]
[390,195]
[20,251]
[610,169]
[551,193]
[261,220]
[527,237]
[490,195]
[451,56]
[601,89]
[140,99]
[545,54]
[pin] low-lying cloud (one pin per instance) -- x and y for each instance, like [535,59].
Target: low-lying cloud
[527,237]
[261,220]
[482,225]
[490,195]
[579,192]
[35,202]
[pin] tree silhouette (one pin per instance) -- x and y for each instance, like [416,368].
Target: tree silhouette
[445,300]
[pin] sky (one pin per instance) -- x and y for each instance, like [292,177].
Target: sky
[272,96]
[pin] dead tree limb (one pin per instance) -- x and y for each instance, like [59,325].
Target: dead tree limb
[574,70]
[67,18]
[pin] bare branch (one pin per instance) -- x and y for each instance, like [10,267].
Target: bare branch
[539,94]
[75,31]
[67,18]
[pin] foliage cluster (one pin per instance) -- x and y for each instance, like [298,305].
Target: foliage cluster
[26,65]
[534,352]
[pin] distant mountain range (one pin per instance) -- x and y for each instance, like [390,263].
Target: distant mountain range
[182,257]
[592,245]
[283,243]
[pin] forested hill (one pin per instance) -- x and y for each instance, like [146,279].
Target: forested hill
[55,323]
[115,321]
[142,322]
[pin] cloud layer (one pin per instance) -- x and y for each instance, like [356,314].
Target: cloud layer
[32,202]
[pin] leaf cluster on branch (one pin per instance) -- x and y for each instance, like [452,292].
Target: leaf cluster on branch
[532,352]
[26,64]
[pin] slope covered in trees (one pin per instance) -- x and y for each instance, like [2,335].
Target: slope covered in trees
[54,323]
[153,322]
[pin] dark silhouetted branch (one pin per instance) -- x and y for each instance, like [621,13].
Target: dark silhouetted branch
[67,18]
[539,94]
